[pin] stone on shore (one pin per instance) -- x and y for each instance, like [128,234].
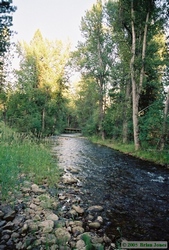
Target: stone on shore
[69,179]
[96,208]
[78,209]
[47,226]
[36,189]
[94,225]
[62,235]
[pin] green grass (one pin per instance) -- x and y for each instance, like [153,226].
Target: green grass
[153,155]
[89,246]
[21,156]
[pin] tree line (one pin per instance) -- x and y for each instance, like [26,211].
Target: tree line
[123,91]
[124,64]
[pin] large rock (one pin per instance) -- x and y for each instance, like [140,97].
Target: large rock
[62,235]
[47,226]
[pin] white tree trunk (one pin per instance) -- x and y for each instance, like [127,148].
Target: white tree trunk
[126,106]
[136,87]
[135,94]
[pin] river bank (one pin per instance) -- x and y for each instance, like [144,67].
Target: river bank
[37,217]
[151,155]
[102,195]
[133,192]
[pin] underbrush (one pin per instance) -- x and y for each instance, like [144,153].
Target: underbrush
[21,156]
[153,155]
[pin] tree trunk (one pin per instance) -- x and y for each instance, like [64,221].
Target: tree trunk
[43,120]
[125,113]
[101,92]
[135,94]
[144,51]
[164,129]
[136,88]
[101,114]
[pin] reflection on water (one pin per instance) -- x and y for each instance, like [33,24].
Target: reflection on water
[134,193]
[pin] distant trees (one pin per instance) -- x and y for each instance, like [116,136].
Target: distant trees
[38,103]
[87,105]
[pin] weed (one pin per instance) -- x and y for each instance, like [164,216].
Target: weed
[87,240]
[89,245]
[19,155]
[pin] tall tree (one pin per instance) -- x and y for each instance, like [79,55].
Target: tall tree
[138,34]
[120,92]
[6,10]
[41,82]
[165,124]
[139,21]
[94,56]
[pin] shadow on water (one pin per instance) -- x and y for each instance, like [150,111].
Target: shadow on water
[134,193]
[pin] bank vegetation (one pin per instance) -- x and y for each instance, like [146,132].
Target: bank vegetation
[122,95]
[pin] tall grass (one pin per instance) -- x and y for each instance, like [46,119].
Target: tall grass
[22,156]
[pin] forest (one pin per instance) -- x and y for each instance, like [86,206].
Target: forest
[62,191]
[123,90]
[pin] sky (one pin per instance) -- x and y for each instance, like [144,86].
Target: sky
[56,19]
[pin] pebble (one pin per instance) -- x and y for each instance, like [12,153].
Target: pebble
[80,245]
[62,235]
[1,214]
[69,179]
[40,219]
[47,226]
[94,225]
[95,208]
[78,209]
[77,230]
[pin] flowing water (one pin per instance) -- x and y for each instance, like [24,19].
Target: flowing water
[134,193]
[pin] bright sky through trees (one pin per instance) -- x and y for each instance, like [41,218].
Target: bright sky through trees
[56,19]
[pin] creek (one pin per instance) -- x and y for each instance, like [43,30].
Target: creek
[133,192]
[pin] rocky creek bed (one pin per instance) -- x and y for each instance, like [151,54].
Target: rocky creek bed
[134,193]
[41,218]
[99,192]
